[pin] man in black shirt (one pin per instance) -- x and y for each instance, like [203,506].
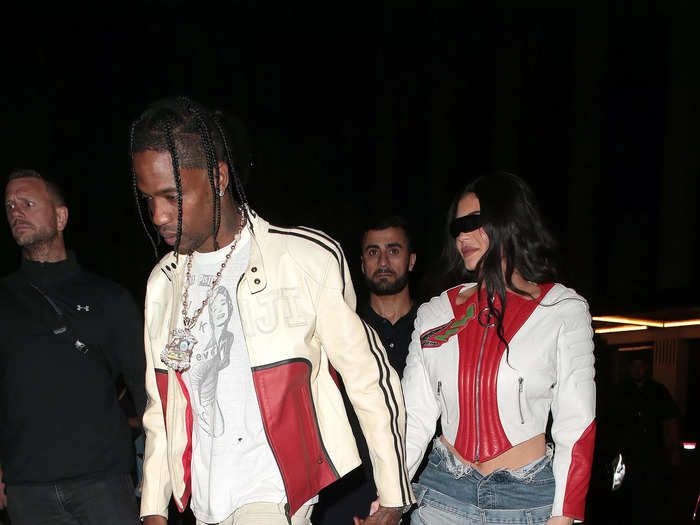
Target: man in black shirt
[65,446]
[647,435]
[387,260]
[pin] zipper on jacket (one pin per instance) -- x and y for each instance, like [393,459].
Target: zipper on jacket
[520,403]
[441,395]
[478,373]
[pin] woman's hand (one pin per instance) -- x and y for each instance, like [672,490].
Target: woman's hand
[560,520]
[373,507]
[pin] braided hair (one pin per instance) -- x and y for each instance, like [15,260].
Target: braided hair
[195,138]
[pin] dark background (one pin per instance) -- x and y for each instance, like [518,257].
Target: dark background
[350,111]
[357,110]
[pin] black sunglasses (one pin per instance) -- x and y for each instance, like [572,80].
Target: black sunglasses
[465,224]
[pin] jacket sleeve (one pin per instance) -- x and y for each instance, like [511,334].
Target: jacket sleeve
[573,411]
[372,385]
[156,490]
[422,409]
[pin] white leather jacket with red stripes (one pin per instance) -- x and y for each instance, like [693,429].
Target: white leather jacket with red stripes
[297,308]
[490,399]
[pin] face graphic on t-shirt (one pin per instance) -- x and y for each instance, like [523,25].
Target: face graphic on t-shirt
[220,310]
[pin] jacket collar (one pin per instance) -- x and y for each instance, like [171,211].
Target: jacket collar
[255,276]
[48,273]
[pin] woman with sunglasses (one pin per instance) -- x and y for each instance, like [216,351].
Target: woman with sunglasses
[491,359]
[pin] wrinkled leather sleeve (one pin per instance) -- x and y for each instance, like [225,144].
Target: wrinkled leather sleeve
[156,491]
[573,411]
[355,351]
[422,408]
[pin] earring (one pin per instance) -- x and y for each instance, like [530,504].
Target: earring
[221,193]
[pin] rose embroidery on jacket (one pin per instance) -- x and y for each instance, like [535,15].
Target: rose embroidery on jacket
[438,336]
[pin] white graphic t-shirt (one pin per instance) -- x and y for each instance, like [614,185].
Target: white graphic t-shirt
[232,463]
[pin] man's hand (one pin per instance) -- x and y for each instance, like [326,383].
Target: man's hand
[155,520]
[383,516]
[560,520]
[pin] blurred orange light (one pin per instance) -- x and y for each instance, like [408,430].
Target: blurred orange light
[628,320]
[687,322]
[623,328]
[644,322]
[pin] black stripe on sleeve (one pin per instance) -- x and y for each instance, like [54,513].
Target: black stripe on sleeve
[337,246]
[392,406]
[338,255]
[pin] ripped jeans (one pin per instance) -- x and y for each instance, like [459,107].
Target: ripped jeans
[450,493]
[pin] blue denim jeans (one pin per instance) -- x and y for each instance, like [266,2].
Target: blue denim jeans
[95,501]
[450,493]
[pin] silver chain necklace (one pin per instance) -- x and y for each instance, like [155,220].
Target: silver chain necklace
[178,351]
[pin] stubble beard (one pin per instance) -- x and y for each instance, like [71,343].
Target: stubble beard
[188,244]
[38,239]
[387,287]
[40,245]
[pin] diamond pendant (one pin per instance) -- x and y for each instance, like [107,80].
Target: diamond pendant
[177,353]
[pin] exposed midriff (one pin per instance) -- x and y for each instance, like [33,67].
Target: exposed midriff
[512,459]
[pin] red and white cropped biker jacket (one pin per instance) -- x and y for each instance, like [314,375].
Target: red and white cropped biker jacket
[490,400]
[297,304]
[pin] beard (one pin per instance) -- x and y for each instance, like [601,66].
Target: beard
[37,237]
[191,243]
[386,287]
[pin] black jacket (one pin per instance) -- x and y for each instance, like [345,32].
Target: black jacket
[59,413]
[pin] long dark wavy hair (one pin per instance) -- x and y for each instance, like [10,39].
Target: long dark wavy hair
[516,233]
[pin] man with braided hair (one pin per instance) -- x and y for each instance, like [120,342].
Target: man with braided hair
[245,322]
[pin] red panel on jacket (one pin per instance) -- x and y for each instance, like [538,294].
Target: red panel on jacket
[480,436]
[162,383]
[334,375]
[579,474]
[187,453]
[290,423]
